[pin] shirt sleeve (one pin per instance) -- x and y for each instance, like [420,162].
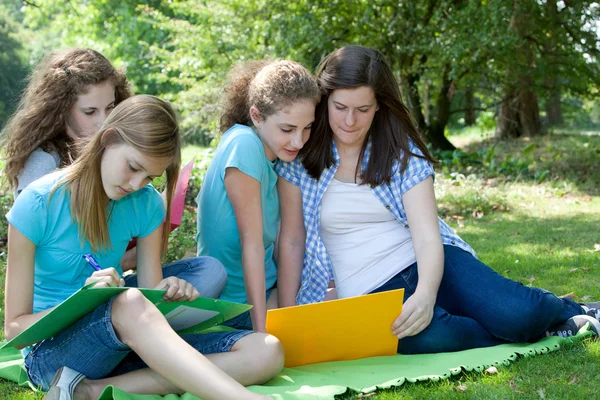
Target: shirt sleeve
[156,211]
[245,153]
[37,165]
[290,171]
[417,170]
[29,215]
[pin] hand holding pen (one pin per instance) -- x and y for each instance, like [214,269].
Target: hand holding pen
[108,277]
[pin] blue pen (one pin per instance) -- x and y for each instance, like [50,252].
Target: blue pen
[92,261]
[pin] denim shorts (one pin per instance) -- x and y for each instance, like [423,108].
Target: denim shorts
[91,346]
[244,320]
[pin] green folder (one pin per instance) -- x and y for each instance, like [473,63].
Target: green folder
[185,316]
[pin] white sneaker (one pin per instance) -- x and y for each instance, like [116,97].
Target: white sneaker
[63,384]
[572,326]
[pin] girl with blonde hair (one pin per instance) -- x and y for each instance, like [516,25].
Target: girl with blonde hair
[96,206]
[69,94]
[269,111]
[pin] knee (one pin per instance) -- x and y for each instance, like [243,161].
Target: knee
[267,356]
[523,325]
[208,275]
[273,356]
[218,274]
[130,312]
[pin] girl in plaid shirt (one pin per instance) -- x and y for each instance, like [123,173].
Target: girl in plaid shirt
[358,206]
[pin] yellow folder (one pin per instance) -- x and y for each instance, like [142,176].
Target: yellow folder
[336,330]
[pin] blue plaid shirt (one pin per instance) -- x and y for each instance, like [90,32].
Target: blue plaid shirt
[317,270]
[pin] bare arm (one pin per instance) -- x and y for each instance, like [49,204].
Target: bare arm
[244,193]
[18,292]
[292,239]
[421,212]
[149,267]
[150,270]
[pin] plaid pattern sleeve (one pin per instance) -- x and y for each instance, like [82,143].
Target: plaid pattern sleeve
[417,170]
[290,171]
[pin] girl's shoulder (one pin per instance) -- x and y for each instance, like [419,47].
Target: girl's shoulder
[240,144]
[240,134]
[47,183]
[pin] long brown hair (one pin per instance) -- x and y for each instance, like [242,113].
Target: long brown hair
[146,123]
[392,128]
[53,88]
[268,86]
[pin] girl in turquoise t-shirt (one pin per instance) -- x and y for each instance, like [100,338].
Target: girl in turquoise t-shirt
[269,111]
[96,206]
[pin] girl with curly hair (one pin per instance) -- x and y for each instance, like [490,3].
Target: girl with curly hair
[269,111]
[70,93]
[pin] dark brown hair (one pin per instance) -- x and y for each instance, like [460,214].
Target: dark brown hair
[268,86]
[392,129]
[53,88]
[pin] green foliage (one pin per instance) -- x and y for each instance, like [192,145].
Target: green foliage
[486,163]
[182,49]
[12,61]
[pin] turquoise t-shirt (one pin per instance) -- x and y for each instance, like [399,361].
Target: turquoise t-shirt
[218,235]
[60,269]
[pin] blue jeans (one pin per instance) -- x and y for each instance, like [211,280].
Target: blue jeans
[477,307]
[244,320]
[206,274]
[91,346]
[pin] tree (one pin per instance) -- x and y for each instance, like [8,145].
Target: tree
[12,62]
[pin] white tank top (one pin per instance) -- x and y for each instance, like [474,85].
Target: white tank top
[366,244]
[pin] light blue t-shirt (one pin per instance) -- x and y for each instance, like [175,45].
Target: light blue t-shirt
[60,269]
[218,235]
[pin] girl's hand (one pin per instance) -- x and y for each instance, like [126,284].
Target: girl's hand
[416,315]
[177,289]
[108,277]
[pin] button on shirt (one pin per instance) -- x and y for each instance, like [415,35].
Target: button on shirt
[317,270]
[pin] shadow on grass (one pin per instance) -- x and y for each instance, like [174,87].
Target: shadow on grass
[556,253]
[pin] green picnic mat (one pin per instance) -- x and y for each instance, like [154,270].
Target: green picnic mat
[325,380]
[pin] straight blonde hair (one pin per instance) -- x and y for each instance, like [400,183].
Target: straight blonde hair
[146,123]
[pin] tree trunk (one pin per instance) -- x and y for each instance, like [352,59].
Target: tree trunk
[435,130]
[529,113]
[470,118]
[554,108]
[519,111]
[507,126]
[426,103]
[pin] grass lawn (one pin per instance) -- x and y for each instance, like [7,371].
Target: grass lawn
[540,229]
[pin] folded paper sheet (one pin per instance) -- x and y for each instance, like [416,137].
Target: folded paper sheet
[186,316]
[337,330]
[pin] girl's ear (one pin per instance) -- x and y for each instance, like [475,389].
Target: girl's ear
[109,137]
[255,116]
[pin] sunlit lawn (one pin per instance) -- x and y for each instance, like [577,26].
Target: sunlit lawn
[542,233]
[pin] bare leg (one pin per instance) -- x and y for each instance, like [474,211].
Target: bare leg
[175,365]
[331,294]
[272,303]
[252,360]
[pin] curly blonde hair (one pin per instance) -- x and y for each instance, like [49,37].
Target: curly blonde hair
[53,88]
[268,86]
